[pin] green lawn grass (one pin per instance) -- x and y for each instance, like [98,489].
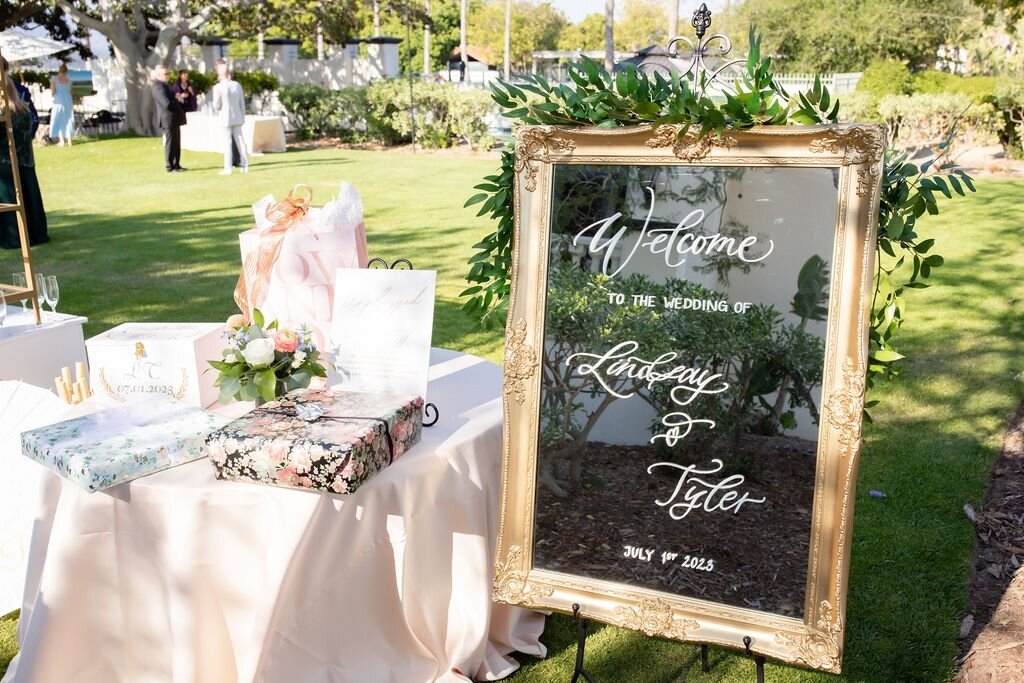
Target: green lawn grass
[131,242]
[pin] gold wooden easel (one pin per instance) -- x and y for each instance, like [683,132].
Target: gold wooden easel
[12,293]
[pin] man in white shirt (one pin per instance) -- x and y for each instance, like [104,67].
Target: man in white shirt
[229,103]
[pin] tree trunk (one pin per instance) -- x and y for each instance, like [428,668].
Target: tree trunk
[376,17]
[609,34]
[139,97]
[508,39]
[426,41]
[673,19]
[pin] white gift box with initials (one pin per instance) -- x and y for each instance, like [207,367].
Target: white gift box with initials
[136,360]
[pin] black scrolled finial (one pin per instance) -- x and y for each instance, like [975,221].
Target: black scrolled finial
[701,20]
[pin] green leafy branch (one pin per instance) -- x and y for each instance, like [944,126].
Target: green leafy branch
[909,192]
[596,98]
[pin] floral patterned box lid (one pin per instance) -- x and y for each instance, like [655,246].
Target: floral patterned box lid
[330,440]
[120,444]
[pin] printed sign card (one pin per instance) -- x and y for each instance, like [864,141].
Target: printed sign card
[381,330]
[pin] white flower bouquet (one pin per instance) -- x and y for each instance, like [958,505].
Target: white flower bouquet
[264,360]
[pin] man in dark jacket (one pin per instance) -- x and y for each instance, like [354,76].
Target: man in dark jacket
[170,117]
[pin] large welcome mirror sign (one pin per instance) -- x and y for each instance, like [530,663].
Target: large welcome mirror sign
[684,380]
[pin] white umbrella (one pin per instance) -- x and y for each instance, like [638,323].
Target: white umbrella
[16,45]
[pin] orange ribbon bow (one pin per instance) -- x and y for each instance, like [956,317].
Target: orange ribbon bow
[257,266]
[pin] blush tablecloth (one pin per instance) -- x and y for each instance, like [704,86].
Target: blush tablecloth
[178,577]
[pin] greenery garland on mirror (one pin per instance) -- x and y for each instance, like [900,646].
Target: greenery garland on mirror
[631,97]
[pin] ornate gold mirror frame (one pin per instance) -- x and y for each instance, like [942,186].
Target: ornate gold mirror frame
[851,156]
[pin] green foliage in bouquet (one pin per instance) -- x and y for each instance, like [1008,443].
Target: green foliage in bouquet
[632,97]
[264,360]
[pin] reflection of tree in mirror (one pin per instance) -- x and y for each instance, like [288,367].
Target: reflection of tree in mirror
[580,318]
[584,195]
[769,366]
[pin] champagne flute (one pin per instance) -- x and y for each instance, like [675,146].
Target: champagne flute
[3,308]
[40,285]
[19,281]
[51,292]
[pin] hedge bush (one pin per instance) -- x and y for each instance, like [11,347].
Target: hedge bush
[256,82]
[445,116]
[924,120]
[885,77]
[318,112]
[978,88]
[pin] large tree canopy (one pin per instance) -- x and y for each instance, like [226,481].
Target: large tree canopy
[143,34]
[33,13]
[846,35]
[535,26]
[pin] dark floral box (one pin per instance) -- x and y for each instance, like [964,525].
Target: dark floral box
[323,439]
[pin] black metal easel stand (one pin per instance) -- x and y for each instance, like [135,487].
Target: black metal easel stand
[705,661]
[758,659]
[581,644]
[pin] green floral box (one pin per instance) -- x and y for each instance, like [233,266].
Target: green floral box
[116,445]
[334,441]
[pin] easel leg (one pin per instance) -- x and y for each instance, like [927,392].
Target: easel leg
[760,669]
[705,663]
[581,644]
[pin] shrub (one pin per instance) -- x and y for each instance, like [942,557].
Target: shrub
[1009,98]
[886,77]
[444,114]
[256,82]
[924,120]
[881,79]
[200,80]
[317,111]
[978,88]
[858,106]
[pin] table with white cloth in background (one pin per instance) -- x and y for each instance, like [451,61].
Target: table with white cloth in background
[205,133]
[36,353]
[178,577]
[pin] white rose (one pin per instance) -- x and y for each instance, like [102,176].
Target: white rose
[259,352]
[298,359]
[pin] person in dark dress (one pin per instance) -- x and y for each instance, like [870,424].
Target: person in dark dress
[170,117]
[185,92]
[32,198]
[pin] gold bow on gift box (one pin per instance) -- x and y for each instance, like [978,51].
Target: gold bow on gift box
[256,267]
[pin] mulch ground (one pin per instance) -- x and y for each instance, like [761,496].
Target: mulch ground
[759,553]
[993,630]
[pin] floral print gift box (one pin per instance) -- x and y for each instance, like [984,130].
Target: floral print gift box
[329,440]
[116,445]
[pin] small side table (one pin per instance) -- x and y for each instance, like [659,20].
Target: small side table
[35,354]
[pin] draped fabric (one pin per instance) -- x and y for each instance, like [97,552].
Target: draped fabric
[178,577]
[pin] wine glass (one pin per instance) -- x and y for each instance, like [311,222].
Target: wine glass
[19,281]
[51,292]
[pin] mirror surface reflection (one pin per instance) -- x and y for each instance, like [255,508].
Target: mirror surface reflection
[684,344]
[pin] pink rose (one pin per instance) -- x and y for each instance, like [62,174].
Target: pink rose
[286,340]
[237,320]
[288,475]
[277,453]
[339,485]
